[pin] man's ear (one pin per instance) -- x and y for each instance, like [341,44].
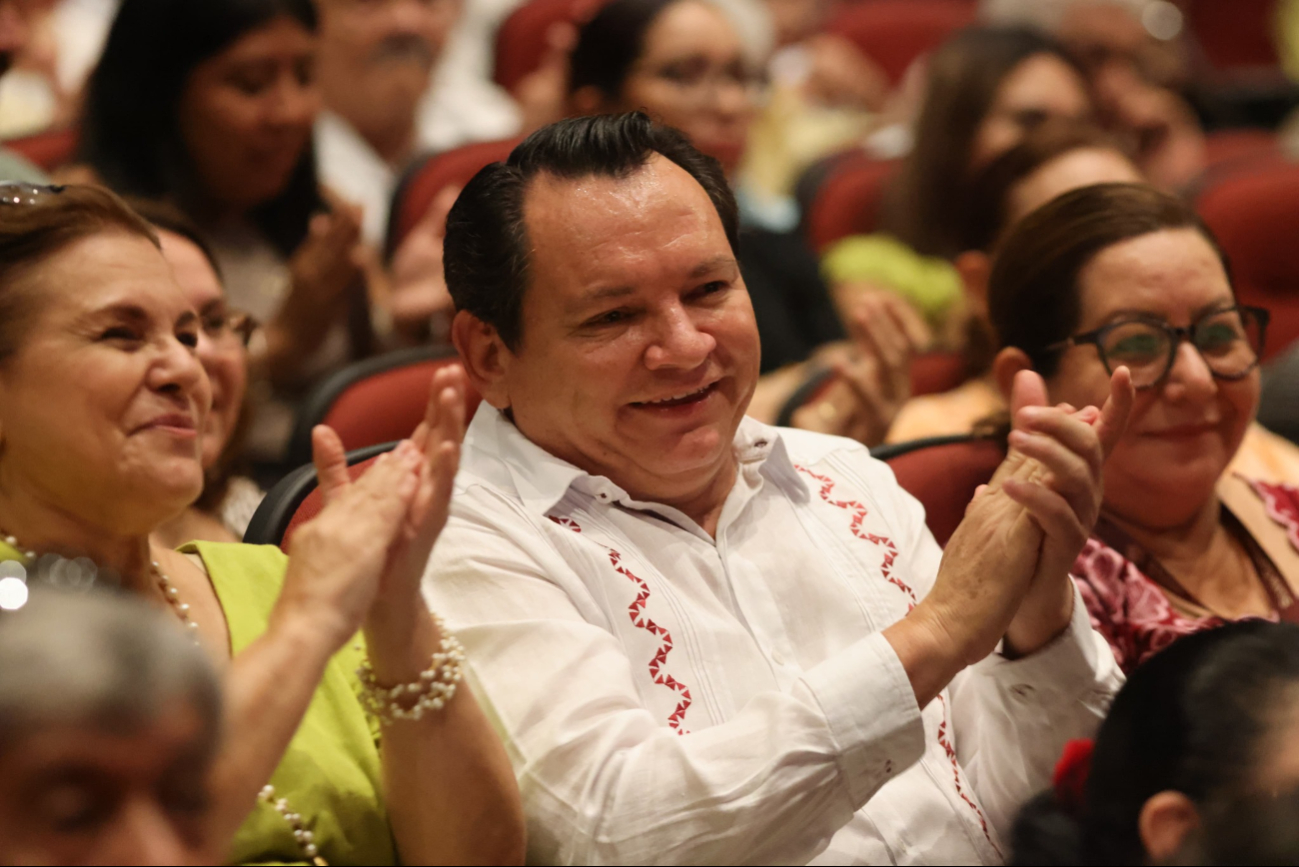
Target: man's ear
[484,355]
[1165,822]
[1009,362]
[975,267]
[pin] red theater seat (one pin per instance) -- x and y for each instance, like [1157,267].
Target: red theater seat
[849,199]
[943,473]
[1255,216]
[431,175]
[894,33]
[373,401]
[522,38]
[51,149]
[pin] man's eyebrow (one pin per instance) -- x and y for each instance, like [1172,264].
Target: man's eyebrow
[709,265]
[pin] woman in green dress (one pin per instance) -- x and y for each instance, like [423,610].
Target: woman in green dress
[101,404]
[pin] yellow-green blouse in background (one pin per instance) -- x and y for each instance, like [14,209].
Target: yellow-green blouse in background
[330,773]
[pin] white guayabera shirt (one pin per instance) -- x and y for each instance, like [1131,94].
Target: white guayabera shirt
[670,698]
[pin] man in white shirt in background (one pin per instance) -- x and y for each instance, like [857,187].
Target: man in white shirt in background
[707,640]
[375,64]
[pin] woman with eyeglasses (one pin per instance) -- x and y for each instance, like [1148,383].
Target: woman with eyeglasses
[1123,275]
[350,736]
[683,63]
[229,498]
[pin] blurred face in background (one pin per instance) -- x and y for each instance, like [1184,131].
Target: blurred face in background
[693,75]
[87,794]
[246,114]
[220,349]
[1081,167]
[15,27]
[1041,87]
[377,56]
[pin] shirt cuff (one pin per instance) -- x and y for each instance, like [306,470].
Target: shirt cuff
[871,710]
[1075,662]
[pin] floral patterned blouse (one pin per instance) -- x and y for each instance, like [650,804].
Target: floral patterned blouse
[1137,616]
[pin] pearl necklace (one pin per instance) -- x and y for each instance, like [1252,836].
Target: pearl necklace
[301,835]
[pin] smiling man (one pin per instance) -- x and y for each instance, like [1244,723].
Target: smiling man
[706,640]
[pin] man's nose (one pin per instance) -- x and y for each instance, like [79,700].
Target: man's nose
[678,342]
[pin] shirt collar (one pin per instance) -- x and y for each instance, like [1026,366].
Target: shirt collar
[541,480]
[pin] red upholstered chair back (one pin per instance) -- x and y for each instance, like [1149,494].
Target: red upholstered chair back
[521,39]
[942,473]
[430,176]
[374,401]
[849,199]
[1241,147]
[1236,34]
[50,149]
[937,372]
[1255,216]
[894,33]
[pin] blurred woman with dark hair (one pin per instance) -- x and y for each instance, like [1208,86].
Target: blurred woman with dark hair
[210,104]
[1200,730]
[986,88]
[1124,275]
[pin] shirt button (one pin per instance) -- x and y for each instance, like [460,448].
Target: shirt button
[777,658]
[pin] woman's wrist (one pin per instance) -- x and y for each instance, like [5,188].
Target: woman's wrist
[399,639]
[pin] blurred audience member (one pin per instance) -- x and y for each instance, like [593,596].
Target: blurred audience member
[1053,158]
[110,719]
[1201,730]
[824,95]
[986,88]
[783,672]
[217,118]
[375,65]
[15,31]
[683,63]
[102,404]
[228,501]
[1121,274]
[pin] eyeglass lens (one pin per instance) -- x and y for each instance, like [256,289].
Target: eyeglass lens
[1229,342]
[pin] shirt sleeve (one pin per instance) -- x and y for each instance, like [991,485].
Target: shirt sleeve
[1012,718]
[603,781]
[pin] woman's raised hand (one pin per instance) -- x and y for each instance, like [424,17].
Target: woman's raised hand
[338,559]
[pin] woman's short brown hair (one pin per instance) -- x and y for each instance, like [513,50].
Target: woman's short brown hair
[35,223]
[1033,292]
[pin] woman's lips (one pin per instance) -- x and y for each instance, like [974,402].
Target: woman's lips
[177,424]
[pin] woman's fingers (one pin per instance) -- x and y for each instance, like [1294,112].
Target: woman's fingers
[1050,511]
[1071,431]
[1114,415]
[1067,473]
[330,461]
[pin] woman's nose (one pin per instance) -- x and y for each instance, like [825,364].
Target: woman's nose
[1190,376]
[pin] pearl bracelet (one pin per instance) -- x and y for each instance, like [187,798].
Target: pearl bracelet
[435,687]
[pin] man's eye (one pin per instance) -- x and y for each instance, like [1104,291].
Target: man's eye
[120,332]
[613,317]
[712,288]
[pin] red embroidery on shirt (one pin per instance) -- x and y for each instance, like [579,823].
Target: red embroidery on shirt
[636,611]
[945,742]
[859,516]
[1282,502]
[859,513]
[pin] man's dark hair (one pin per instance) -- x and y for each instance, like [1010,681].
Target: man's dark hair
[486,247]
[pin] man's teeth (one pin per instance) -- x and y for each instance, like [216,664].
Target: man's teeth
[680,396]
